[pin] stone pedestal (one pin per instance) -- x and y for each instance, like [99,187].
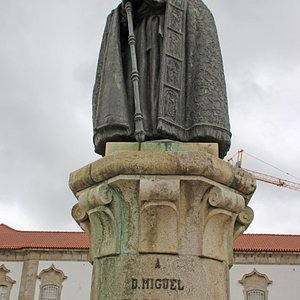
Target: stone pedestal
[162,222]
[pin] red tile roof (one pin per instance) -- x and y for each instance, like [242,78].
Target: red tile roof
[15,239]
[268,243]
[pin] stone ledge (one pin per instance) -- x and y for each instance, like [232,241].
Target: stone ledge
[162,163]
[161,145]
[269,258]
[44,254]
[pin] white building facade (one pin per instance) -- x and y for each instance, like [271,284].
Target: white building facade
[54,266]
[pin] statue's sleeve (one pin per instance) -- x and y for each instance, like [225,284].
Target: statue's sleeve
[99,66]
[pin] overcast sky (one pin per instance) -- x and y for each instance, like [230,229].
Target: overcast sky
[48,57]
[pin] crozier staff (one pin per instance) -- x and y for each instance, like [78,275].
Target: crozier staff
[139,132]
[181,87]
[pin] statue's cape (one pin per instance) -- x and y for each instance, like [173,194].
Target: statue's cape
[192,104]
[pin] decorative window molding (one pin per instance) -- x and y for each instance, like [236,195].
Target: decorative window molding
[51,283]
[255,285]
[6,283]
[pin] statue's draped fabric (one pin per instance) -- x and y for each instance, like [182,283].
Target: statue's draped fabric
[182,86]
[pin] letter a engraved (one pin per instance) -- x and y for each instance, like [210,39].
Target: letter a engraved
[157,265]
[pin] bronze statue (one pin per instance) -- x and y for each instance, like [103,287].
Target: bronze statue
[181,86]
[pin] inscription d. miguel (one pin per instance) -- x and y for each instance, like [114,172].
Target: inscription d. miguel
[157,284]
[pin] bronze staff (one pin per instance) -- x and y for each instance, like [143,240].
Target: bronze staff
[138,116]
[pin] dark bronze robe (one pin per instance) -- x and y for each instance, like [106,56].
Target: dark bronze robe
[182,86]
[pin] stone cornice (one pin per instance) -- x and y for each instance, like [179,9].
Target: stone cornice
[268,258]
[163,163]
[43,254]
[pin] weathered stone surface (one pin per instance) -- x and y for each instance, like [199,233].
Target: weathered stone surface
[81,179]
[28,279]
[222,198]
[159,219]
[160,277]
[163,163]
[162,145]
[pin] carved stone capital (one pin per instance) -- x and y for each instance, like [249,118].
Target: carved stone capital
[164,213]
[148,211]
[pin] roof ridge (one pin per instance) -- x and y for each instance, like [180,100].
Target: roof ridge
[7,227]
[51,232]
[270,234]
[82,232]
[39,231]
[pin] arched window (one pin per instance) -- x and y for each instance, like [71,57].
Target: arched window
[51,283]
[256,295]
[255,286]
[3,292]
[6,283]
[50,292]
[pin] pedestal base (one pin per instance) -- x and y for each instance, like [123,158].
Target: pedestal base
[163,277]
[162,223]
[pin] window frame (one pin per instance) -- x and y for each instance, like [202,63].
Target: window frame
[262,293]
[45,297]
[5,295]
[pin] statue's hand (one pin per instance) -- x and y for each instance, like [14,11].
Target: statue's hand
[135,4]
[148,2]
[155,3]
[132,1]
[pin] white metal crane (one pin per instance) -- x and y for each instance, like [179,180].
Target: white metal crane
[264,177]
